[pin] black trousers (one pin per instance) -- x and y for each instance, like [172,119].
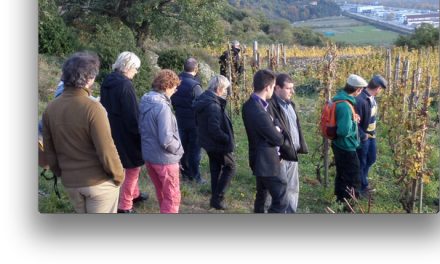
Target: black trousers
[190,160]
[222,167]
[347,172]
[277,188]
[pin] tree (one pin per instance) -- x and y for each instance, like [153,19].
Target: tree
[424,36]
[154,18]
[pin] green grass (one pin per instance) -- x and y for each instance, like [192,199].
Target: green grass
[314,197]
[351,31]
[363,35]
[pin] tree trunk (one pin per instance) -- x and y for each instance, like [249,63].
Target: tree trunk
[142,34]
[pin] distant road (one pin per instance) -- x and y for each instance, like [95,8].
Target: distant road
[379,23]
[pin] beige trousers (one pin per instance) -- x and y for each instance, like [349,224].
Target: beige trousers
[101,198]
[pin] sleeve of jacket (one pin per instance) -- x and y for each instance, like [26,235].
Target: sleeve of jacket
[361,111]
[105,147]
[304,149]
[266,129]
[129,108]
[49,149]
[343,120]
[197,91]
[167,139]
[214,124]
[287,150]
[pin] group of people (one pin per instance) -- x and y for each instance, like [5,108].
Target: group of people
[98,146]
[354,147]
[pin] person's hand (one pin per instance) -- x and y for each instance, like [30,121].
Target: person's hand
[357,118]
[277,124]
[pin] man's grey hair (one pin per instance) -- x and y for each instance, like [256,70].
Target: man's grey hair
[218,82]
[126,61]
[79,69]
[190,65]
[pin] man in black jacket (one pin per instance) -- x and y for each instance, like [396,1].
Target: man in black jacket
[265,139]
[216,137]
[366,108]
[182,100]
[283,111]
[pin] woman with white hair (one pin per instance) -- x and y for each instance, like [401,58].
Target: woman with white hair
[119,99]
[216,137]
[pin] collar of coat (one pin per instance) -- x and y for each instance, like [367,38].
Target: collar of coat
[77,91]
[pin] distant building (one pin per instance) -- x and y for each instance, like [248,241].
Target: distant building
[368,9]
[417,20]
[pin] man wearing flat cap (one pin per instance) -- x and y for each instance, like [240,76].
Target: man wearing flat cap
[347,139]
[366,108]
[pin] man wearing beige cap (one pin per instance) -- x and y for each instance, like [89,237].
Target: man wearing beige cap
[347,140]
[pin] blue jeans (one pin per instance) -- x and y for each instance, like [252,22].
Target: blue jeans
[367,157]
[190,160]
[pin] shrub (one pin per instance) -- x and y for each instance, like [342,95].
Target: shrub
[49,73]
[173,59]
[108,38]
[142,80]
[309,87]
[54,37]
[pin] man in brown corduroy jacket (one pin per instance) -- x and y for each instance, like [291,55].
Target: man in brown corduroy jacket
[78,142]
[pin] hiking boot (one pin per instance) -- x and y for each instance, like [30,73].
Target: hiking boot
[185,177]
[129,211]
[367,194]
[218,205]
[141,198]
[200,180]
[370,189]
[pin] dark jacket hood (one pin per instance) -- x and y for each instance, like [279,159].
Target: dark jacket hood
[206,99]
[112,78]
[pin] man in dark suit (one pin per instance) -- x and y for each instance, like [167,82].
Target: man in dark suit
[265,139]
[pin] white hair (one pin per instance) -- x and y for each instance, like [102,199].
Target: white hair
[126,61]
[218,82]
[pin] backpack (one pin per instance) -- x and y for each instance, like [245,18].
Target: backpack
[328,118]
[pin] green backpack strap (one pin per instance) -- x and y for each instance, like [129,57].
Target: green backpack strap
[55,182]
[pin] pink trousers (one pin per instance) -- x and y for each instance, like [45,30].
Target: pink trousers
[166,181]
[129,189]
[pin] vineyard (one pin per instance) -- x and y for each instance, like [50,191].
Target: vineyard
[406,174]
[407,118]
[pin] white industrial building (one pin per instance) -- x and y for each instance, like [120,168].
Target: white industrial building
[369,8]
[417,20]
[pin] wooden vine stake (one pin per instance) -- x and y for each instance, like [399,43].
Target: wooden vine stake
[229,72]
[284,55]
[329,78]
[255,55]
[421,149]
